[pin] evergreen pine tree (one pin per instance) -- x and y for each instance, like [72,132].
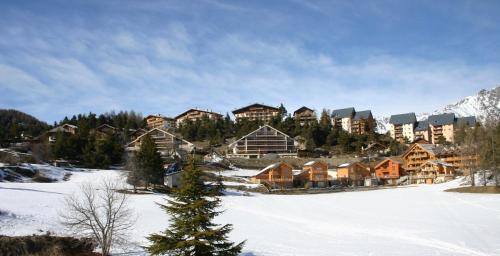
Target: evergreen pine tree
[150,162]
[192,231]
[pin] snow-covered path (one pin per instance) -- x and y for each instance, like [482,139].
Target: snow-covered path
[418,220]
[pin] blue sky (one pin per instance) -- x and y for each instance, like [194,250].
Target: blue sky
[61,58]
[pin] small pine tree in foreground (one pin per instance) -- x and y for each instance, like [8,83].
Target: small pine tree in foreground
[192,231]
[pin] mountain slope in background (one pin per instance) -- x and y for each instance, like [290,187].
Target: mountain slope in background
[13,123]
[485,106]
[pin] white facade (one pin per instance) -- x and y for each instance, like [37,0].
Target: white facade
[346,124]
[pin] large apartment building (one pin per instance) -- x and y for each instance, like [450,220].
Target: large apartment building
[305,115]
[195,114]
[401,127]
[159,121]
[265,140]
[405,127]
[352,121]
[256,112]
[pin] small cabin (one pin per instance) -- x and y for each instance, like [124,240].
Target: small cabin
[388,171]
[172,177]
[353,173]
[314,174]
[435,171]
[278,175]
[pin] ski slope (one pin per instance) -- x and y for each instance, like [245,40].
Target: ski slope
[415,220]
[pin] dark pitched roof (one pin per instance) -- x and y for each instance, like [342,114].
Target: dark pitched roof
[193,109]
[343,113]
[243,109]
[422,125]
[407,118]
[469,121]
[302,109]
[442,119]
[365,114]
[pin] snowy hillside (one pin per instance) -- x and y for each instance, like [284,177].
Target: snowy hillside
[485,106]
[413,220]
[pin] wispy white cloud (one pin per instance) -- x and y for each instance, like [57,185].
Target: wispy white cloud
[178,65]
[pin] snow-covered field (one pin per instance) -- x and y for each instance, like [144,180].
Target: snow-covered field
[416,220]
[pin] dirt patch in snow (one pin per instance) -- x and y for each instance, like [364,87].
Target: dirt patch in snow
[477,189]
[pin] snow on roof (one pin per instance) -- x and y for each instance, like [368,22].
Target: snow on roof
[440,162]
[310,163]
[344,164]
[268,168]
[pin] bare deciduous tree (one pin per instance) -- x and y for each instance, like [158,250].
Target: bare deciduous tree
[100,212]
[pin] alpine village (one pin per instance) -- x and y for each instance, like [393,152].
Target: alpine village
[294,152]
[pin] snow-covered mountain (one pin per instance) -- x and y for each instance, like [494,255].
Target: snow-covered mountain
[485,106]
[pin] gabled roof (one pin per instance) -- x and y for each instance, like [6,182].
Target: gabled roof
[160,116]
[161,130]
[272,166]
[442,119]
[302,109]
[386,160]
[266,125]
[430,148]
[422,125]
[61,128]
[243,109]
[311,163]
[105,126]
[437,162]
[365,114]
[407,118]
[199,110]
[374,145]
[469,121]
[354,163]
[343,113]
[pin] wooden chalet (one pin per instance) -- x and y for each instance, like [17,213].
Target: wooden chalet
[159,121]
[256,111]
[314,174]
[65,128]
[434,171]
[278,175]
[105,130]
[134,134]
[353,173]
[305,115]
[388,171]
[374,149]
[419,154]
[265,140]
[167,144]
[196,114]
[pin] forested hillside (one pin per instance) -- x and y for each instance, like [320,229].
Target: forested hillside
[14,124]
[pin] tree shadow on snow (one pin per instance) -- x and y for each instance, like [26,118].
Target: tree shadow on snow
[33,190]
[236,193]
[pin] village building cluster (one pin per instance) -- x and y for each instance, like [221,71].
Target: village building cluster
[425,161]
[406,128]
